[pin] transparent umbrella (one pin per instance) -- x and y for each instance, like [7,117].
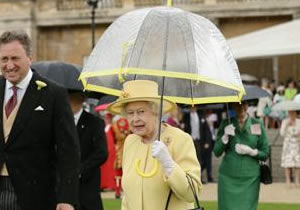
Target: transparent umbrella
[183,52]
[185,49]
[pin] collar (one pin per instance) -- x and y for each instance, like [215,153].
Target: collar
[77,115]
[23,84]
[244,120]
[193,113]
[246,124]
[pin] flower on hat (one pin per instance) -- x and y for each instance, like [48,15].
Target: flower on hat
[124,95]
[40,84]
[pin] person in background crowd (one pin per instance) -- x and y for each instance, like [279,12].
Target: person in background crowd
[93,152]
[121,130]
[297,98]
[278,116]
[193,125]
[264,104]
[290,157]
[272,87]
[291,91]
[173,118]
[207,143]
[154,169]
[243,141]
[279,96]
[298,85]
[39,149]
[108,173]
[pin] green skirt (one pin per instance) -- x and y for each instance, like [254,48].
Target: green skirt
[238,193]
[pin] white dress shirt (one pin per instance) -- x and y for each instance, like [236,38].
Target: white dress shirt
[195,125]
[21,88]
[77,116]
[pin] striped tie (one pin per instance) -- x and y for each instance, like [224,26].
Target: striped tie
[12,102]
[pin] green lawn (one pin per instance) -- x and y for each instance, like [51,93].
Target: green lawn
[113,204]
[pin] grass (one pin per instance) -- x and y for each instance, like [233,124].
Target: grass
[113,204]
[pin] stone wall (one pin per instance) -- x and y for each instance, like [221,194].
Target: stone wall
[70,44]
[60,34]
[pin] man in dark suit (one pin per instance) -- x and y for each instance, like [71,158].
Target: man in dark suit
[39,148]
[93,152]
[193,125]
[207,144]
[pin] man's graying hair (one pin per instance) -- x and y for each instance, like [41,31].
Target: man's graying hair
[19,35]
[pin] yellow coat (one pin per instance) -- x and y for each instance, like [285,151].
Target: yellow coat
[152,193]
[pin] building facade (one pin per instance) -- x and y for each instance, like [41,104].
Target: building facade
[61,29]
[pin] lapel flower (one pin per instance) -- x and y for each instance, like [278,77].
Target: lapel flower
[40,84]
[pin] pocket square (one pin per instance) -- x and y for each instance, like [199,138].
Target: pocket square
[39,108]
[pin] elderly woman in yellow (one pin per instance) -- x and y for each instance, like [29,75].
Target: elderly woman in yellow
[154,169]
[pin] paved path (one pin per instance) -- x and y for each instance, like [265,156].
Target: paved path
[274,193]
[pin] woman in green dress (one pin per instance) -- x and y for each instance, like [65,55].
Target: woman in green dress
[243,142]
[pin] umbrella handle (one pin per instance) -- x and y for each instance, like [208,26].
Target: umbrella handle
[141,173]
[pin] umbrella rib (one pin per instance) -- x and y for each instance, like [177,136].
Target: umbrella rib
[193,45]
[192,93]
[189,66]
[164,67]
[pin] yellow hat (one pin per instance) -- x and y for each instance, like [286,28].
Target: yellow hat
[139,90]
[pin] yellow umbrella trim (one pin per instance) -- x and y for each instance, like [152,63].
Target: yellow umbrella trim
[183,100]
[152,72]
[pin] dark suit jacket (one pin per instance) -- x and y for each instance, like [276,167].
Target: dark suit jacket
[93,154]
[42,146]
[187,124]
[207,137]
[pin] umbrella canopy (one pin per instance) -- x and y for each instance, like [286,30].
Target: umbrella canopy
[64,74]
[183,49]
[286,106]
[282,39]
[106,99]
[254,92]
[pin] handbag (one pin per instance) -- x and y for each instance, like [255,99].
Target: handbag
[265,173]
[190,181]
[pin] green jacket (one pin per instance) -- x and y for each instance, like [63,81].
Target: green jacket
[290,93]
[234,164]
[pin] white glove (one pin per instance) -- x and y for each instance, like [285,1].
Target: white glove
[64,206]
[161,153]
[243,149]
[225,139]
[229,130]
